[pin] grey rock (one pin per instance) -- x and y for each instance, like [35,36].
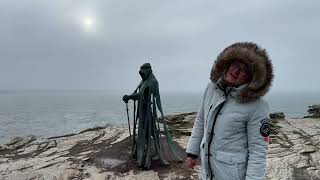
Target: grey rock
[277,115]
[307,150]
[314,111]
[19,142]
[14,141]
[110,163]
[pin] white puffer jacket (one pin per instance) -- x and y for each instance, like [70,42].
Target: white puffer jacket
[232,128]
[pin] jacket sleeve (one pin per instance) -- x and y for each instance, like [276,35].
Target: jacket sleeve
[258,129]
[193,147]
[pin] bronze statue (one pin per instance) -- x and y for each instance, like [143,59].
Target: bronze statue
[148,97]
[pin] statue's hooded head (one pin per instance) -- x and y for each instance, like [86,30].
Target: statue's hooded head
[145,71]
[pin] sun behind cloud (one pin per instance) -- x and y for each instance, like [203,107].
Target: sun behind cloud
[88,23]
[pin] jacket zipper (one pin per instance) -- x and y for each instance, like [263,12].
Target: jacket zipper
[212,130]
[210,141]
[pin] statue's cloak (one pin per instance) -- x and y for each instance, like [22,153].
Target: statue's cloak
[148,126]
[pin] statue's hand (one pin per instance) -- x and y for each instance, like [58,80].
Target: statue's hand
[125,98]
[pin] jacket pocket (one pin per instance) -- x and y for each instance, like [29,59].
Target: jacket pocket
[242,170]
[229,165]
[230,158]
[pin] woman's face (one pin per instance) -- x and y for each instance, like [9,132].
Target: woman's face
[237,74]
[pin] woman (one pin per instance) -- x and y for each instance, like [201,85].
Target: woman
[231,130]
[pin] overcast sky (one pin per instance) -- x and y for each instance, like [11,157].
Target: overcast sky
[88,44]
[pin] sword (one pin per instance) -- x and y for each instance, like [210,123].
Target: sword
[128,120]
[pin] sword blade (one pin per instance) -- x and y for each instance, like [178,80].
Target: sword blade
[128,120]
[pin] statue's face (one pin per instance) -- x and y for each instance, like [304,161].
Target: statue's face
[144,73]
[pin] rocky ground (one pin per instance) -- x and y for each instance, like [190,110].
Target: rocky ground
[104,153]
[294,150]
[98,153]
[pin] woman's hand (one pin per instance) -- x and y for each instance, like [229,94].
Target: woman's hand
[191,162]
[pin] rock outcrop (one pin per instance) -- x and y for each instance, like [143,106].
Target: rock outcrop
[314,111]
[277,115]
[94,154]
[17,143]
[104,153]
[294,150]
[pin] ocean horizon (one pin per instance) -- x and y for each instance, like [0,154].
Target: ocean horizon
[47,113]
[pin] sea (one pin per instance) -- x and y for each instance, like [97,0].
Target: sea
[53,113]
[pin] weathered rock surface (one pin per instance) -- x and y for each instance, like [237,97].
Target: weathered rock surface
[97,153]
[18,142]
[181,124]
[104,153]
[294,150]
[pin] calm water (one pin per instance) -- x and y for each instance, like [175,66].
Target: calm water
[46,114]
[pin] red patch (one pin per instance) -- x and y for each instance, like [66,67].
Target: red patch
[266,139]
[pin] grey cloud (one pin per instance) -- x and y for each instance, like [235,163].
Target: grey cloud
[44,46]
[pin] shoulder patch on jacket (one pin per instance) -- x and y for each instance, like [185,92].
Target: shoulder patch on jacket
[265,127]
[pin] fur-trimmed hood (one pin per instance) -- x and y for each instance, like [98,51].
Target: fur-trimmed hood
[256,59]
